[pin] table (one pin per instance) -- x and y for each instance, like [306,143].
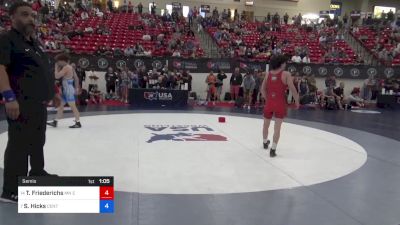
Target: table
[158,98]
[392,101]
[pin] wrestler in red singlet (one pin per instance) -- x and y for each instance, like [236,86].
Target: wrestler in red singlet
[276,103]
[274,87]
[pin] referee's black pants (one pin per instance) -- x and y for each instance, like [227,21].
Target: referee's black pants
[26,137]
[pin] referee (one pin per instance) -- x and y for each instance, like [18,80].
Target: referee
[26,84]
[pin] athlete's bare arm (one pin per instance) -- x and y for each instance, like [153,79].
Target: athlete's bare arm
[66,70]
[263,86]
[289,81]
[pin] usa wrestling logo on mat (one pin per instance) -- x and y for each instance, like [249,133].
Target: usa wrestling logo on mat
[183,133]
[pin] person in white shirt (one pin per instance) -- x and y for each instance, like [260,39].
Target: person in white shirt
[322,39]
[296,59]
[84,15]
[306,59]
[176,53]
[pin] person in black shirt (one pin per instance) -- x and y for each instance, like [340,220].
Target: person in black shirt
[221,76]
[187,78]
[27,84]
[235,82]
[79,72]
[111,78]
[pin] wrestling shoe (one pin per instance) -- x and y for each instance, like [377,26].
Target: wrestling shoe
[76,125]
[53,123]
[8,197]
[272,153]
[266,144]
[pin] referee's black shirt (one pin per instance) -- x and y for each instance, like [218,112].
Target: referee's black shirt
[27,66]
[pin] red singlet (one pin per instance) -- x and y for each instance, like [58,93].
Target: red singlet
[276,103]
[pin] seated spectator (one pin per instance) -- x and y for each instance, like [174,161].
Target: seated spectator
[322,40]
[108,51]
[242,51]
[160,37]
[296,59]
[96,97]
[118,52]
[354,98]
[138,49]
[339,91]
[106,31]
[330,100]
[89,30]
[147,52]
[249,53]
[306,59]
[84,15]
[176,53]
[98,12]
[128,52]
[146,37]
[190,33]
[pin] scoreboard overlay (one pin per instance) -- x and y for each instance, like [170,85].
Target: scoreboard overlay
[65,194]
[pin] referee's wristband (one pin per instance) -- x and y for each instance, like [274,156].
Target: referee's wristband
[9,96]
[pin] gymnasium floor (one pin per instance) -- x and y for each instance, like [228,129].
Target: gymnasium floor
[183,167]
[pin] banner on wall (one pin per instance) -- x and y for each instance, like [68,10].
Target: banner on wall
[205,65]
[336,8]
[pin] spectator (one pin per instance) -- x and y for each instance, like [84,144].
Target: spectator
[190,17]
[354,98]
[140,8]
[101,50]
[187,79]
[146,37]
[176,53]
[44,13]
[390,16]
[215,13]
[296,59]
[110,5]
[269,17]
[36,6]
[330,82]
[134,79]
[211,90]
[128,52]
[259,78]
[84,15]
[80,72]
[331,100]
[304,91]
[235,82]
[111,78]
[138,50]
[368,86]
[322,39]
[312,84]
[130,6]
[96,97]
[118,52]
[306,59]
[124,81]
[249,84]
[345,19]
[221,76]
[339,91]
[286,18]
[108,51]
[153,9]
